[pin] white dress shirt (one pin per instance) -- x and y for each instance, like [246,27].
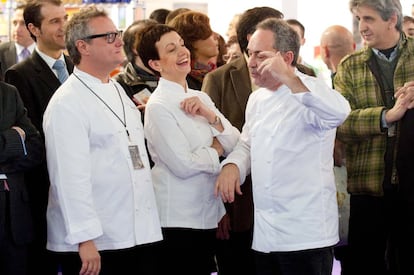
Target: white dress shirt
[20,48]
[186,166]
[287,142]
[95,192]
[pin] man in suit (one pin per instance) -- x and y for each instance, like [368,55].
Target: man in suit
[36,81]
[229,87]
[21,44]
[21,147]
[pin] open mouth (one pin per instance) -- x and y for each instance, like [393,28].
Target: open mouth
[183,62]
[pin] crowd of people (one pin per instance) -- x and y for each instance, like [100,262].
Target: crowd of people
[203,154]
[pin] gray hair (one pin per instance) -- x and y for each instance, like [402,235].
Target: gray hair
[385,8]
[285,37]
[77,28]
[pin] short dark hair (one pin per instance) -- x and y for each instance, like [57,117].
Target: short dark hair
[159,15]
[146,43]
[33,15]
[407,18]
[248,21]
[296,22]
[130,35]
[285,37]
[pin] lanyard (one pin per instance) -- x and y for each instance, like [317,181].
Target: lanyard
[103,101]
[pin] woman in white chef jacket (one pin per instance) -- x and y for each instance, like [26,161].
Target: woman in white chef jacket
[186,137]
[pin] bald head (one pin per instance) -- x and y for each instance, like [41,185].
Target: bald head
[336,42]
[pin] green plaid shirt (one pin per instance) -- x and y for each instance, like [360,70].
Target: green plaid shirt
[364,138]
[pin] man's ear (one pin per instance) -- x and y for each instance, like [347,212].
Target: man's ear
[325,51]
[155,65]
[33,29]
[393,21]
[288,57]
[82,47]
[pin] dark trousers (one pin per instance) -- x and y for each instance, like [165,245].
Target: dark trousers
[235,255]
[405,212]
[341,253]
[142,260]
[369,242]
[41,261]
[404,239]
[188,251]
[13,257]
[305,262]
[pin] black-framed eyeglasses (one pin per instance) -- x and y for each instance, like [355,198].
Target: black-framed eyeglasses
[110,36]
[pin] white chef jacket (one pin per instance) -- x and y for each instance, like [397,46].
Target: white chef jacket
[95,193]
[186,166]
[287,142]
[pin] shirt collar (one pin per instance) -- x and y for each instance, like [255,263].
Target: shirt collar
[393,55]
[49,60]
[19,48]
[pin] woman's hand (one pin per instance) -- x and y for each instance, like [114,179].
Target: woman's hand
[194,106]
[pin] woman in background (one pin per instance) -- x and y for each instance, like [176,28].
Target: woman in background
[199,38]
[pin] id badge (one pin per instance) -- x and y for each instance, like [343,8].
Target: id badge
[135,157]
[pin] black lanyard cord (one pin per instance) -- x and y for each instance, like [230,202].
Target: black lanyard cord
[103,101]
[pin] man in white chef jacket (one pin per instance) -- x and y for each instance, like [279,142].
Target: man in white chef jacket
[287,143]
[102,216]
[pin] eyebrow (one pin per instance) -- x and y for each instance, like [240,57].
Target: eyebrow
[169,45]
[58,18]
[254,52]
[174,43]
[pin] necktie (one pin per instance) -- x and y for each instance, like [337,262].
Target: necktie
[24,53]
[60,67]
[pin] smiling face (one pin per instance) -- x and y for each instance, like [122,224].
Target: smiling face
[376,32]
[50,35]
[174,58]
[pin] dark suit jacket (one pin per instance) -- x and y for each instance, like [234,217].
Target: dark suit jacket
[14,163]
[36,83]
[229,87]
[8,57]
